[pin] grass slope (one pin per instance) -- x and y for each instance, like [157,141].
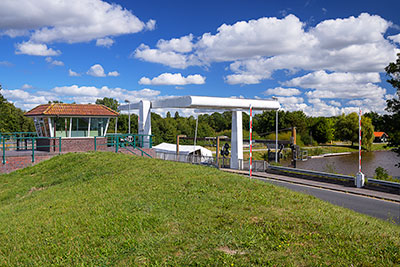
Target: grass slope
[115,209]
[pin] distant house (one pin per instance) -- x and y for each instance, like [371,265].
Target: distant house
[380,137]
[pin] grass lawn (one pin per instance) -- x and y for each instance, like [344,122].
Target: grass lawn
[115,209]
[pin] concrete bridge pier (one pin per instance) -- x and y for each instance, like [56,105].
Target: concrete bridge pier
[237,141]
[145,121]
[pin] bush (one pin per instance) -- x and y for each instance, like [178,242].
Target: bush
[381,174]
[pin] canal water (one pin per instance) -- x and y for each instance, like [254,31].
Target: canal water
[348,164]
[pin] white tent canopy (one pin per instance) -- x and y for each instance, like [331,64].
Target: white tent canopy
[183,149]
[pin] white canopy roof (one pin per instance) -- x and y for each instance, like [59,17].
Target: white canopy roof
[183,149]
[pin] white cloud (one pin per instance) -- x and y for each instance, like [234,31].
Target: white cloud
[339,85]
[181,45]
[89,94]
[68,21]
[34,49]
[279,91]
[169,58]
[113,73]
[151,25]
[54,62]
[173,79]
[23,99]
[341,33]
[335,103]
[395,38]
[74,93]
[292,103]
[257,48]
[106,42]
[26,86]
[96,71]
[262,37]
[321,78]
[73,73]
[6,63]
[57,63]
[243,79]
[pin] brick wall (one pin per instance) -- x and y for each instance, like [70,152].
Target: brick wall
[72,144]
[19,162]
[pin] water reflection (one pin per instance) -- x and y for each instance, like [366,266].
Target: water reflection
[348,164]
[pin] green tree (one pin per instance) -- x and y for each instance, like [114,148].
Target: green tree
[377,120]
[323,130]
[393,105]
[367,133]
[108,102]
[347,129]
[12,118]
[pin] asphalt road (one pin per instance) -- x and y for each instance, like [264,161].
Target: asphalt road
[382,209]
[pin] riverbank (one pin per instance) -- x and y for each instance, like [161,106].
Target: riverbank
[341,148]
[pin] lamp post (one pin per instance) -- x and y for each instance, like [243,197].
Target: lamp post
[129,115]
[276,132]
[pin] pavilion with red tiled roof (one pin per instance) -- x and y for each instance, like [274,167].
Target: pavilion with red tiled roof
[71,120]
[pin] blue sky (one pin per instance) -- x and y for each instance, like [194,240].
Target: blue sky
[322,57]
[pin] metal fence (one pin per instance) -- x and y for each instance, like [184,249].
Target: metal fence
[257,165]
[127,141]
[26,144]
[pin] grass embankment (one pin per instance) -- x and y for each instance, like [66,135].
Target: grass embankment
[115,209]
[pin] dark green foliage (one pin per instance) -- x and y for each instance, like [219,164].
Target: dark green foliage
[323,130]
[347,128]
[108,102]
[393,106]
[381,173]
[367,133]
[12,119]
[378,121]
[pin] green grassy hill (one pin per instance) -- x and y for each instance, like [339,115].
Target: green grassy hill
[115,209]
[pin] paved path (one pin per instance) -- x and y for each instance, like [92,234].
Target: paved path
[377,204]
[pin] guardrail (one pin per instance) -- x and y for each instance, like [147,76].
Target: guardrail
[383,182]
[127,141]
[314,173]
[334,176]
[32,141]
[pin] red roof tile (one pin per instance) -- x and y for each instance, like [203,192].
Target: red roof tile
[379,134]
[60,109]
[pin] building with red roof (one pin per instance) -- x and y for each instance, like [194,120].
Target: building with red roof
[71,120]
[380,137]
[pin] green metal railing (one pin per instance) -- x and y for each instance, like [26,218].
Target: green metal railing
[17,134]
[28,144]
[126,141]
